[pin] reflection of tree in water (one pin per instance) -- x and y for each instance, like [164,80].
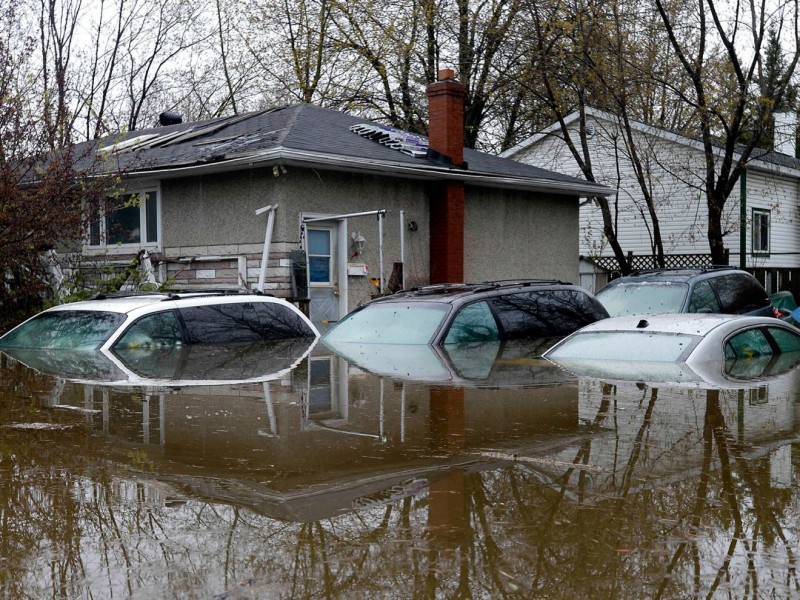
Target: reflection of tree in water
[80,517]
[691,536]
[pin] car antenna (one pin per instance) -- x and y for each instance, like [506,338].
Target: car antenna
[642,324]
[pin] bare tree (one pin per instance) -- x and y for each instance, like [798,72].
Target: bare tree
[733,103]
[58,20]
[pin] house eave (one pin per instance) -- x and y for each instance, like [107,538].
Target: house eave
[302,158]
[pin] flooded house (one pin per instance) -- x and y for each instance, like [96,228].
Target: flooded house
[313,204]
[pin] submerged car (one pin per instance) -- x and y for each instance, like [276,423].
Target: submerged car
[724,290]
[689,339]
[161,320]
[458,313]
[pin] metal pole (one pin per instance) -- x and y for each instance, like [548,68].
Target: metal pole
[382,287]
[403,413]
[267,240]
[403,247]
[345,216]
[380,416]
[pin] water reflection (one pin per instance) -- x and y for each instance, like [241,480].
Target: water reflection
[504,476]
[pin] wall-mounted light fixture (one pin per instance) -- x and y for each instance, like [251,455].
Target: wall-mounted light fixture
[358,243]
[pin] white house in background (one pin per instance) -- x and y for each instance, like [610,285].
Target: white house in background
[768,197]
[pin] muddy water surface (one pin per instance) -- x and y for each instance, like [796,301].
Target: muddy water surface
[505,478]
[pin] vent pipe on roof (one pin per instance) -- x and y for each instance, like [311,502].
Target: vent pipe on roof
[170,118]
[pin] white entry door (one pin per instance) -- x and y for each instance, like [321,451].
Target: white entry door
[323,276]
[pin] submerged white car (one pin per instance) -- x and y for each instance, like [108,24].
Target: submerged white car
[161,320]
[677,338]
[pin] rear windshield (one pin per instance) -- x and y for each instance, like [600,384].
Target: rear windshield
[624,345]
[643,298]
[74,329]
[391,323]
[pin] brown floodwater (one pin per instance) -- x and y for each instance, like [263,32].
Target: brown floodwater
[464,476]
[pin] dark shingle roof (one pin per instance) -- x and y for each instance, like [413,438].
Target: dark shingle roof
[307,133]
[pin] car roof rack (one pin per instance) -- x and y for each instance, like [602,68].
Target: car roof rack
[179,293]
[707,269]
[454,288]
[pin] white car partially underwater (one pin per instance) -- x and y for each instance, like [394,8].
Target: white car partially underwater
[712,349]
[165,340]
[161,320]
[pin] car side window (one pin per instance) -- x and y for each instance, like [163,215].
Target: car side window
[156,330]
[748,344]
[703,299]
[222,323]
[739,293]
[545,313]
[473,323]
[279,322]
[787,341]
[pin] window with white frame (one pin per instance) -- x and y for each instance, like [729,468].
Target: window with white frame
[127,221]
[761,226]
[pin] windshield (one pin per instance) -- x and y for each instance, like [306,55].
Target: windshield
[624,345]
[74,329]
[643,298]
[391,323]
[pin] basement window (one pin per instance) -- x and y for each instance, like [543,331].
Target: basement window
[127,223]
[761,231]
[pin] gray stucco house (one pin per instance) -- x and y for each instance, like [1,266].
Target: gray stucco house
[348,191]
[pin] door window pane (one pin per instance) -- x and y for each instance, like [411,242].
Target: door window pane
[703,299]
[319,269]
[319,242]
[545,314]
[279,322]
[222,323]
[787,341]
[749,344]
[319,255]
[473,323]
[156,330]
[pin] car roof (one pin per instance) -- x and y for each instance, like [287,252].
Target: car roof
[452,292]
[691,324]
[128,302]
[118,305]
[671,275]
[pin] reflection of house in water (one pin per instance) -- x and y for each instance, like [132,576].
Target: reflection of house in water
[325,437]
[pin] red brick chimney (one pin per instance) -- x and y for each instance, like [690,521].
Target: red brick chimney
[446,116]
[446,136]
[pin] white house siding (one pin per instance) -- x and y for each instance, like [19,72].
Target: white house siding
[677,189]
[779,195]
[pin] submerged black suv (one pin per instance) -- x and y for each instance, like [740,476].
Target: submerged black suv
[710,290]
[478,312]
